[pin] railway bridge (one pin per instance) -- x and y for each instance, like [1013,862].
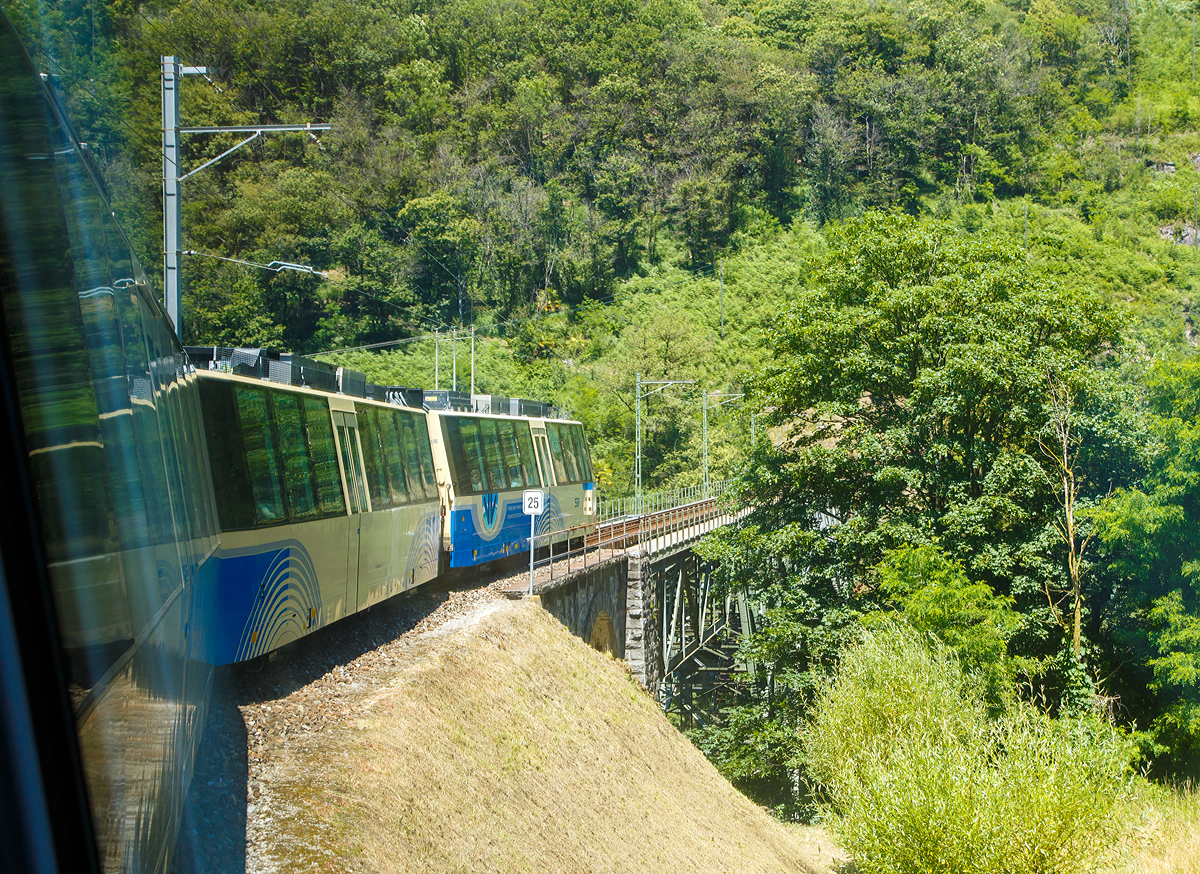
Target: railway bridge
[638,590]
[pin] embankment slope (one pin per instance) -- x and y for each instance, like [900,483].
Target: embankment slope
[502,743]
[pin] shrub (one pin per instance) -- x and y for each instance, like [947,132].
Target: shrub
[917,777]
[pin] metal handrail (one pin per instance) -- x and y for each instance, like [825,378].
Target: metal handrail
[654,531]
[656,502]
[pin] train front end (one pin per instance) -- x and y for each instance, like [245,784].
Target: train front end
[485,463]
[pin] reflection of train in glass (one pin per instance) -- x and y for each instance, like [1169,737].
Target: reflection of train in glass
[160,520]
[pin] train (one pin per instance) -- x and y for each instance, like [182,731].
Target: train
[162,517]
[330,503]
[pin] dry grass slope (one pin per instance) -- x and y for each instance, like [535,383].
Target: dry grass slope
[1164,834]
[510,746]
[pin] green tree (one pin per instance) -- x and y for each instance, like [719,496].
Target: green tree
[935,596]
[1151,534]
[909,378]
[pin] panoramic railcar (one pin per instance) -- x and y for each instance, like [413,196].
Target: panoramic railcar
[330,503]
[327,504]
[485,463]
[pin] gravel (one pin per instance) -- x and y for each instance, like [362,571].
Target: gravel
[268,719]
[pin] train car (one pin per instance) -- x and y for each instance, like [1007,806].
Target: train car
[110,535]
[328,504]
[485,462]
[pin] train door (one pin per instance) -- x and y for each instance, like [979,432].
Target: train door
[357,499]
[541,447]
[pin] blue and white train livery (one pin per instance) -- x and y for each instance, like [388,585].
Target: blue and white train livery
[485,462]
[330,503]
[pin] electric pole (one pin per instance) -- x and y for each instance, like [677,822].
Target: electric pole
[172,73]
[721,282]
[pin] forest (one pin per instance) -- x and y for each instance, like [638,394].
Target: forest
[943,251]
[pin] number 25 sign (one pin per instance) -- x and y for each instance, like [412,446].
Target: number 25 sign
[533,502]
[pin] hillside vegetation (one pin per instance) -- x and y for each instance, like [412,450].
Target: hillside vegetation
[579,182]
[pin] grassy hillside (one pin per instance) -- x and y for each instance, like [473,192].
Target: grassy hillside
[505,744]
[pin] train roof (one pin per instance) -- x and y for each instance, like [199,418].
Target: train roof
[288,370]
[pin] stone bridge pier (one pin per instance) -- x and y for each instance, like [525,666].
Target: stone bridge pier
[659,611]
[592,603]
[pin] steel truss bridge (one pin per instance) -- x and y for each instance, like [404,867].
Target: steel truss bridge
[698,623]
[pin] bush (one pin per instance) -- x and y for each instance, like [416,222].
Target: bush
[917,777]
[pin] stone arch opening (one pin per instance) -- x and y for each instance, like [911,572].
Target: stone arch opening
[604,635]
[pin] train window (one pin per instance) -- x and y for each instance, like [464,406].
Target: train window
[395,463]
[581,453]
[186,522]
[568,452]
[576,452]
[572,449]
[324,457]
[472,456]
[348,468]
[99,308]
[374,465]
[347,433]
[200,462]
[162,374]
[556,454]
[186,452]
[490,443]
[525,454]
[513,477]
[452,440]
[231,479]
[262,461]
[297,466]
[541,446]
[411,457]
[420,434]
[145,422]
[129,504]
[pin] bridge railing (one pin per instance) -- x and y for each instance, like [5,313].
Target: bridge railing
[667,525]
[667,528]
[657,502]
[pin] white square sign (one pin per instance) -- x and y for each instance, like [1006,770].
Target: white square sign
[533,502]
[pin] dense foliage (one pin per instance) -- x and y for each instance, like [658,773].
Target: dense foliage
[924,379]
[494,159]
[918,778]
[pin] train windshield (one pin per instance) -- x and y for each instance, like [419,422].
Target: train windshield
[489,454]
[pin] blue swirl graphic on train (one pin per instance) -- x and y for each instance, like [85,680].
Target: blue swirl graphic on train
[423,551]
[551,518]
[474,542]
[267,596]
[491,503]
